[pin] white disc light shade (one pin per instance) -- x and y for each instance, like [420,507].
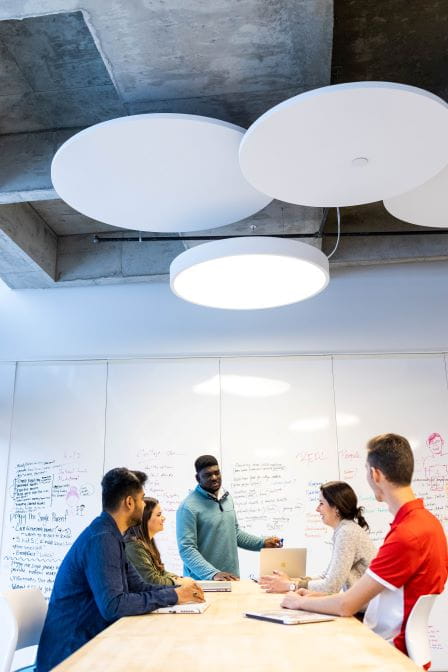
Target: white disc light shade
[347,144]
[249,273]
[426,205]
[157,172]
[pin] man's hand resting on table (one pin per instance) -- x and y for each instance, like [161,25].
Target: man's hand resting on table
[292,601]
[189,592]
[225,576]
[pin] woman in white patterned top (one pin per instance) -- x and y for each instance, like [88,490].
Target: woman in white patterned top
[353,549]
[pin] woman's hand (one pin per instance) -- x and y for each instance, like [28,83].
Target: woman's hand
[277,582]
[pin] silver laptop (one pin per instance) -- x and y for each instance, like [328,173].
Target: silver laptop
[290,616]
[215,586]
[289,560]
[188,608]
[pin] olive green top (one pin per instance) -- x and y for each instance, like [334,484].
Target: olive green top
[146,567]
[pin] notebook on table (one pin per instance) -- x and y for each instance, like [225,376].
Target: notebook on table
[290,616]
[292,561]
[188,608]
[215,586]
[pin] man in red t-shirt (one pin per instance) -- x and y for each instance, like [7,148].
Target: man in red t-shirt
[412,561]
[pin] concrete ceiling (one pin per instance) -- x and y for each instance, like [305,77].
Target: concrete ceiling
[52,76]
[66,64]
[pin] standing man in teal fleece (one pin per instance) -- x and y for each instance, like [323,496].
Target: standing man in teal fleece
[207,529]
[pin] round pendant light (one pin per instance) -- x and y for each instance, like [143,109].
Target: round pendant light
[249,273]
[157,172]
[347,144]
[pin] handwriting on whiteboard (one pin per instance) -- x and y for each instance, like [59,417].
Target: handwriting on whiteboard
[47,508]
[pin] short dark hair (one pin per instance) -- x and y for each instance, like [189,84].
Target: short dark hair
[205,461]
[392,455]
[119,483]
[341,496]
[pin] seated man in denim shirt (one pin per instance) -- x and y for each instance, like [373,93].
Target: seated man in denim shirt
[95,585]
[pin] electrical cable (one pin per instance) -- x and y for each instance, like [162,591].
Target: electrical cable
[339,234]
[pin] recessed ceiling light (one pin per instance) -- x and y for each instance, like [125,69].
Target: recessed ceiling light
[249,273]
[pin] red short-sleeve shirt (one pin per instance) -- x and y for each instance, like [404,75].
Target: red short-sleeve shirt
[412,561]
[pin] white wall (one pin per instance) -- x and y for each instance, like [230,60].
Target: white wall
[397,308]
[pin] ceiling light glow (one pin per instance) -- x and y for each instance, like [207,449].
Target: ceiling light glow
[249,273]
[242,386]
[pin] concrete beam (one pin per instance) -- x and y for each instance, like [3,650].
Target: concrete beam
[27,248]
[372,250]
[277,217]
[26,162]
[83,262]
[32,256]
[367,251]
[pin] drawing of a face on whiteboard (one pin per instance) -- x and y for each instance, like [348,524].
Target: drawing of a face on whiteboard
[436,462]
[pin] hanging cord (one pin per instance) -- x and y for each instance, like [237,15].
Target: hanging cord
[339,234]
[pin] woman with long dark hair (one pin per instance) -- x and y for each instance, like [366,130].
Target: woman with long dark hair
[353,549]
[141,548]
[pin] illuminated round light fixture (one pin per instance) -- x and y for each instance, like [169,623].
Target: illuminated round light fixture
[157,172]
[249,273]
[426,205]
[347,144]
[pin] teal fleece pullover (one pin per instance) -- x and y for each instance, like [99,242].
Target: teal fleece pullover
[208,535]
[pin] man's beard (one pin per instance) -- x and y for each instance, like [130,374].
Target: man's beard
[134,520]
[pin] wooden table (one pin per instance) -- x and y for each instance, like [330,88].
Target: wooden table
[222,639]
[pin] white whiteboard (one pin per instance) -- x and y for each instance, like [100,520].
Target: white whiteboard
[408,396]
[161,415]
[55,468]
[7,373]
[278,427]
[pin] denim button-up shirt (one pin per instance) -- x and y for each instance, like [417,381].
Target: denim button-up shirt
[94,587]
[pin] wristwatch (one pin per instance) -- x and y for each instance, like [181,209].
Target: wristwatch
[293,586]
